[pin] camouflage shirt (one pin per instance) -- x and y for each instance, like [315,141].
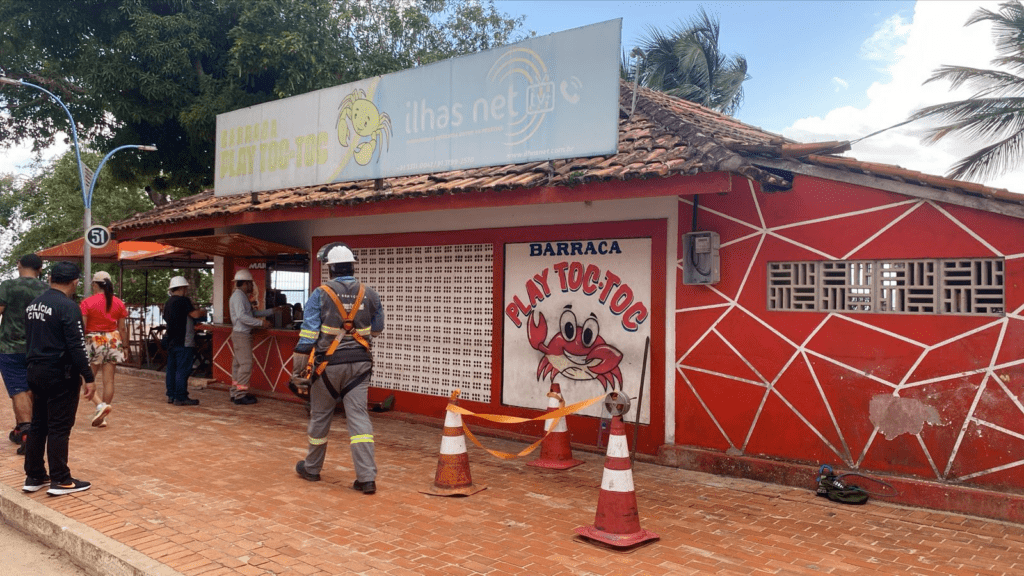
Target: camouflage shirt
[15,296]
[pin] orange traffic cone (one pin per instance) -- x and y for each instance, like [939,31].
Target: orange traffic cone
[617,522]
[555,452]
[453,477]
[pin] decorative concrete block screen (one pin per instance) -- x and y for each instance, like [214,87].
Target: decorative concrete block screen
[439,306]
[952,286]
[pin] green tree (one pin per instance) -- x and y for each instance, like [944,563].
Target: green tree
[686,61]
[47,210]
[995,113]
[159,71]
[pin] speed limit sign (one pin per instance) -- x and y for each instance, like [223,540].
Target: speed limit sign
[98,236]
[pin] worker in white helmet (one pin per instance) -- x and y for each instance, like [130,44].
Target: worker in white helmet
[333,356]
[181,316]
[244,320]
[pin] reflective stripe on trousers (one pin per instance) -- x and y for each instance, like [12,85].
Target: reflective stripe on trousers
[358,438]
[360,428]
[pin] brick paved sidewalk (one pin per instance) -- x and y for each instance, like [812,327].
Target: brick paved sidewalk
[211,490]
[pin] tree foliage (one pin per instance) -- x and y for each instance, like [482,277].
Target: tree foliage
[159,71]
[45,211]
[994,115]
[686,61]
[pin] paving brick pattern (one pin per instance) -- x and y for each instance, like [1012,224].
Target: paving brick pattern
[211,491]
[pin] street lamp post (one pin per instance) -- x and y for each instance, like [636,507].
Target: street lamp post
[86,195]
[87,198]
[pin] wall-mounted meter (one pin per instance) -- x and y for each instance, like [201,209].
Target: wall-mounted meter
[700,258]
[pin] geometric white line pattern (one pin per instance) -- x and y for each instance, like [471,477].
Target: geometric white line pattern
[954,379]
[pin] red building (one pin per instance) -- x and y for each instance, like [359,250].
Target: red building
[833,312]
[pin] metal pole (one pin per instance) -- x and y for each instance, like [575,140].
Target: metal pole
[87,252]
[640,401]
[86,195]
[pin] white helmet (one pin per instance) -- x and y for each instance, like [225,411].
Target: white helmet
[176,282]
[243,276]
[336,253]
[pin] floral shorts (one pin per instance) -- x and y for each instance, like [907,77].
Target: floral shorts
[104,347]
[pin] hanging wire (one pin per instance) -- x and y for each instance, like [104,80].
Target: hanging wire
[852,142]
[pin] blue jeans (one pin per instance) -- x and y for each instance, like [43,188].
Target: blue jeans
[179,366]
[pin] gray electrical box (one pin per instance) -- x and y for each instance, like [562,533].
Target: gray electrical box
[700,258]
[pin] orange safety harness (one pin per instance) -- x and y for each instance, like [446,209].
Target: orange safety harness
[348,326]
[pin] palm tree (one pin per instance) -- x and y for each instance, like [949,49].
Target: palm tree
[685,61]
[996,110]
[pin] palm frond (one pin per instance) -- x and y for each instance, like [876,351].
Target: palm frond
[996,109]
[991,161]
[987,82]
[685,61]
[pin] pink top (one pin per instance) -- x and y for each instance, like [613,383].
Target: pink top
[96,317]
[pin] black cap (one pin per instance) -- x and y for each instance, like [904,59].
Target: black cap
[64,272]
[31,261]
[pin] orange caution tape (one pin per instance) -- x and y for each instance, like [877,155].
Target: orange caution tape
[562,411]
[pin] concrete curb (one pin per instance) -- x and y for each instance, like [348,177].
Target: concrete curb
[94,552]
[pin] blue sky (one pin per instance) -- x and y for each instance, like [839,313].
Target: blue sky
[821,70]
[794,50]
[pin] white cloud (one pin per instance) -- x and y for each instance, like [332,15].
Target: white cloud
[839,83]
[934,37]
[19,159]
[884,44]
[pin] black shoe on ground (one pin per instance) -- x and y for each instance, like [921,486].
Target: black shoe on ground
[35,484]
[72,485]
[170,400]
[15,435]
[365,487]
[187,402]
[300,469]
[244,400]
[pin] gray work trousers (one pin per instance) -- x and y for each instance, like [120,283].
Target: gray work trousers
[360,429]
[241,363]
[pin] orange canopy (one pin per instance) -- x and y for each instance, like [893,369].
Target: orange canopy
[127,252]
[234,246]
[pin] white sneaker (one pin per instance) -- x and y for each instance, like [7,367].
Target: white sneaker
[102,409]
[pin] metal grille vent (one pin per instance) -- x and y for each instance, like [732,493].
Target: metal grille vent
[439,306]
[953,286]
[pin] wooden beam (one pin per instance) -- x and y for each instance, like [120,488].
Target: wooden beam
[905,188]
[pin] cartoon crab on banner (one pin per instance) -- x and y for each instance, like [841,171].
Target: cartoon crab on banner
[367,122]
[576,351]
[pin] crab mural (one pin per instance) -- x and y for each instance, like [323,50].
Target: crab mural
[367,122]
[576,351]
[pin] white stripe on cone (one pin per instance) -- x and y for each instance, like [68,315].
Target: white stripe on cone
[617,480]
[453,444]
[452,419]
[560,427]
[617,447]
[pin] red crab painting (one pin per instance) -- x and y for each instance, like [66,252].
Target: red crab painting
[576,351]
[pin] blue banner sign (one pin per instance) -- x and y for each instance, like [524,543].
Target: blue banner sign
[545,98]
